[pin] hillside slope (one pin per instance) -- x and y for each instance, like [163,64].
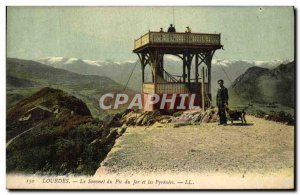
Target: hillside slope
[52,132]
[266,86]
[46,102]
[25,77]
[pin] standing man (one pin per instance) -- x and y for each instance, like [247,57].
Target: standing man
[222,102]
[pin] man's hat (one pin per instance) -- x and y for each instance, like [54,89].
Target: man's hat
[220,80]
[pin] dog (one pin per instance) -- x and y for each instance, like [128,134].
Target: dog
[236,115]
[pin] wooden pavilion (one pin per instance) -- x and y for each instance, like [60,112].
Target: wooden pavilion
[151,48]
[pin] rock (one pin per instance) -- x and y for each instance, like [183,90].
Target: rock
[111,136]
[182,118]
[149,122]
[205,119]
[176,125]
[130,121]
[196,118]
[125,112]
[147,118]
[177,114]
[164,121]
[140,119]
[121,130]
[214,118]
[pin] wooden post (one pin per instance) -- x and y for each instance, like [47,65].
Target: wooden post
[162,66]
[143,67]
[196,69]
[189,71]
[202,89]
[183,71]
[209,76]
[209,71]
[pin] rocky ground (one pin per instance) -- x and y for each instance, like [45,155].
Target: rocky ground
[260,147]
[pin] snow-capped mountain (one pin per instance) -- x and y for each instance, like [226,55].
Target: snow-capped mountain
[260,63]
[61,61]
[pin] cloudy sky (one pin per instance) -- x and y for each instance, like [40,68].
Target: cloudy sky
[97,33]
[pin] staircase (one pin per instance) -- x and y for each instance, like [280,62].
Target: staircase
[168,77]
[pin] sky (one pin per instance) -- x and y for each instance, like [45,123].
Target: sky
[108,33]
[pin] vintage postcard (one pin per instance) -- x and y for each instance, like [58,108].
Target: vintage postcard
[150,98]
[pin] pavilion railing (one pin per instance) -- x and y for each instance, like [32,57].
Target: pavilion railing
[177,38]
[173,88]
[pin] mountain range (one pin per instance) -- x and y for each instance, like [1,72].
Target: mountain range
[228,70]
[88,80]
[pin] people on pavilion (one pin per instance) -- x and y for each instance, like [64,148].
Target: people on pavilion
[161,30]
[171,28]
[188,29]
